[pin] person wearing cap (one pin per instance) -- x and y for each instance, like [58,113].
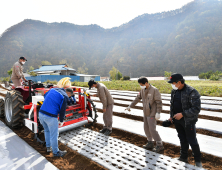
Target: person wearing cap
[107,101]
[17,72]
[184,110]
[152,106]
[55,102]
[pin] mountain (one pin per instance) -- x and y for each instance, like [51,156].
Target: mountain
[186,40]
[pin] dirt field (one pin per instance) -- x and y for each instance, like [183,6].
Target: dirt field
[74,160]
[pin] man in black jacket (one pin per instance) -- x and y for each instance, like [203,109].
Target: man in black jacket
[184,110]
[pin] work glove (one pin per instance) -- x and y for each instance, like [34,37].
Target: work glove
[60,124]
[128,108]
[157,116]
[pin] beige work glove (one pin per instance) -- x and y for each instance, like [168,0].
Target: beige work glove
[157,116]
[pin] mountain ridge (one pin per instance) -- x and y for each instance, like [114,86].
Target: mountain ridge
[189,36]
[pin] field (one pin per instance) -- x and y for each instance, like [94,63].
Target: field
[205,88]
[91,150]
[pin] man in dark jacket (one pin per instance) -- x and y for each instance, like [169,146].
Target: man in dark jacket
[184,110]
[54,104]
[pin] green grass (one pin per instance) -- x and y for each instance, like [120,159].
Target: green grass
[205,88]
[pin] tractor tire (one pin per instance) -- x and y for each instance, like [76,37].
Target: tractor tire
[2,108]
[14,111]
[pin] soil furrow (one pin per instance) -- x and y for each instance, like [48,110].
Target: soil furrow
[209,161]
[72,160]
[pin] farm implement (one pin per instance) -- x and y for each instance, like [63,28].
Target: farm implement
[21,106]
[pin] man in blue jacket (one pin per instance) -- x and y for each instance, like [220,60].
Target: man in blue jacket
[54,104]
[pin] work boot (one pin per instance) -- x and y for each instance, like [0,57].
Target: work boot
[158,149]
[198,164]
[48,149]
[60,154]
[108,132]
[149,145]
[102,131]
[182,159]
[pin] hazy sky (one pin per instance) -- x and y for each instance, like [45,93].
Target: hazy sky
[105,13]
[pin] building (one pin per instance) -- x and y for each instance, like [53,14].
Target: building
[57,72]
[61,69]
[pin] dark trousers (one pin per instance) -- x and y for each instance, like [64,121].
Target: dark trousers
[187,136]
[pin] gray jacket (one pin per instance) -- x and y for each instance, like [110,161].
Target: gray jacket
[17,71]
[191,104]
[152,102]
[104,95]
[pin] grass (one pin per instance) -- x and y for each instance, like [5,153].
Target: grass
[205,88]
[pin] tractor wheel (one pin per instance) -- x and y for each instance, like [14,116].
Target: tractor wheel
[2,108]
[92,113]
[14,111]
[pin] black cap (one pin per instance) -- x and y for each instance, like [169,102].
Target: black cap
[23,58]
[90,83]
[70,90]
[175,78]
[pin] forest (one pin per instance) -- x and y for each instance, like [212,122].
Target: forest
[187,40]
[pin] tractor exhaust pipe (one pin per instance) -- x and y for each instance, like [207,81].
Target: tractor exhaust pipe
[72,126]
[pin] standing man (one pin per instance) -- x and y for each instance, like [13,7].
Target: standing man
[152,106]
[184,110]
[107,101]
[17,72]
[54,104]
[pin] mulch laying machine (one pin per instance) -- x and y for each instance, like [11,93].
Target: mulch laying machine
[21,107]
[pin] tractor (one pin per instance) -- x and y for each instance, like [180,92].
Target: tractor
[22,105]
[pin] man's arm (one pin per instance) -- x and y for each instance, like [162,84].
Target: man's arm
[158,100]
[103,99]
[63,109]
[195,102]
[136,100]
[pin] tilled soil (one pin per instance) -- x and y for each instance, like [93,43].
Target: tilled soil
[209,161]
[2,94]
[72,160]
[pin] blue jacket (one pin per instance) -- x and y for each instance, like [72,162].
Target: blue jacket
[55,103]
[71,100]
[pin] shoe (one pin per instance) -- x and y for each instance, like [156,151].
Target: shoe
[182,159]
[102,131]
[198,164]
[149,145]
[60,154]
[108,132]
[48,149]
[158,149]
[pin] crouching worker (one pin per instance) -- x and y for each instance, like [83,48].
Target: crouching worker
[107,101]
[54,103]
[72,99]
[152,106]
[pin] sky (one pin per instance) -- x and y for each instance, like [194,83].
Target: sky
[105,13]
